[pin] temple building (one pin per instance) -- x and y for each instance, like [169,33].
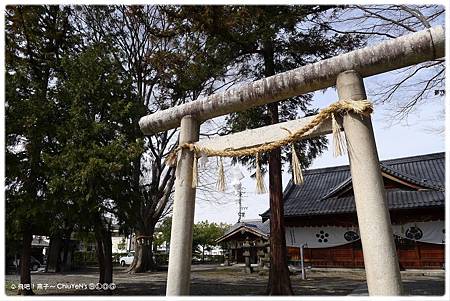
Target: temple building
[253,232]
[320,214]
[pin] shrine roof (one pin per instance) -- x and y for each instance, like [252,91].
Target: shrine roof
[322,190]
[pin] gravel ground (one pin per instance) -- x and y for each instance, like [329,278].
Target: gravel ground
[208,280]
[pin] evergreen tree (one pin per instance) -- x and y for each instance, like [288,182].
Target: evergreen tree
[93,169]
[35,38]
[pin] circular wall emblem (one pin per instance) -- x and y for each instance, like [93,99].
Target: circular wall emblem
[351,236]
[414,233]
[322,236]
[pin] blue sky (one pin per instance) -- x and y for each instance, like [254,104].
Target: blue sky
[414,136]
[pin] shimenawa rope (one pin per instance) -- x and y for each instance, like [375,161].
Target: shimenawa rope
[360,107]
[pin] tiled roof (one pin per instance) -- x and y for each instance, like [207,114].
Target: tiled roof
[256,224]
[316,196]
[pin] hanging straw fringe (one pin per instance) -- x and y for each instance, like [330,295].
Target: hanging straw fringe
[203,160]
[194,173]
[260,187]
[297,175]
[171,159]
[221,177]
[338,139]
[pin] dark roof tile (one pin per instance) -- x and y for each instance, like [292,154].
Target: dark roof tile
[427,171]
[257,224]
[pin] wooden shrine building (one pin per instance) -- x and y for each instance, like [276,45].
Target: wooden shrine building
[321,213]
[253,232]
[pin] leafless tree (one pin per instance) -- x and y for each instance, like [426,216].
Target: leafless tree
[412,86]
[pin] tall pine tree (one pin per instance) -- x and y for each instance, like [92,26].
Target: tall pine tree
[93,170]
[35,38]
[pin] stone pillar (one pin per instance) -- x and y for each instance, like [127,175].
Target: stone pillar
[180,256]
[246,253]
[380,257]
[226,254]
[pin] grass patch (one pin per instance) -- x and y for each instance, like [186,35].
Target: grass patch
[8,288]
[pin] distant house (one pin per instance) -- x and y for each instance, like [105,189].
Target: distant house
[321,213]
[121,243]
[39,248]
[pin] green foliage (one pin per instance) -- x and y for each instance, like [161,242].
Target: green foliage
[205,235]
[83,258]
[122,245]
[93,168]
[75,93]
[162,232]
[86,238]
[169,65]
[35,38]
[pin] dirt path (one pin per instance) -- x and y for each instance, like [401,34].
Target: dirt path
[223,281]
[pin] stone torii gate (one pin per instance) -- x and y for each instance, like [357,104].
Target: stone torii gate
[346,72]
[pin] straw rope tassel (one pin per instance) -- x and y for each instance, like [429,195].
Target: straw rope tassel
[338,139]
[195,172]
[220,185]
[171,159]
[297,175]
[260,187]
[203,160]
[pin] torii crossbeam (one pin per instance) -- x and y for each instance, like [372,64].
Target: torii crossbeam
[346,71]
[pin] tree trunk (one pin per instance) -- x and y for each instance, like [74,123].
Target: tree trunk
[279,280]
[143,256]
[104,255]
[100,257]
[107,252]
[25,260]
[53,261]
[64,263]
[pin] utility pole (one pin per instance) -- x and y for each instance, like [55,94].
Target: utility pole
[237,185]
[240,214]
